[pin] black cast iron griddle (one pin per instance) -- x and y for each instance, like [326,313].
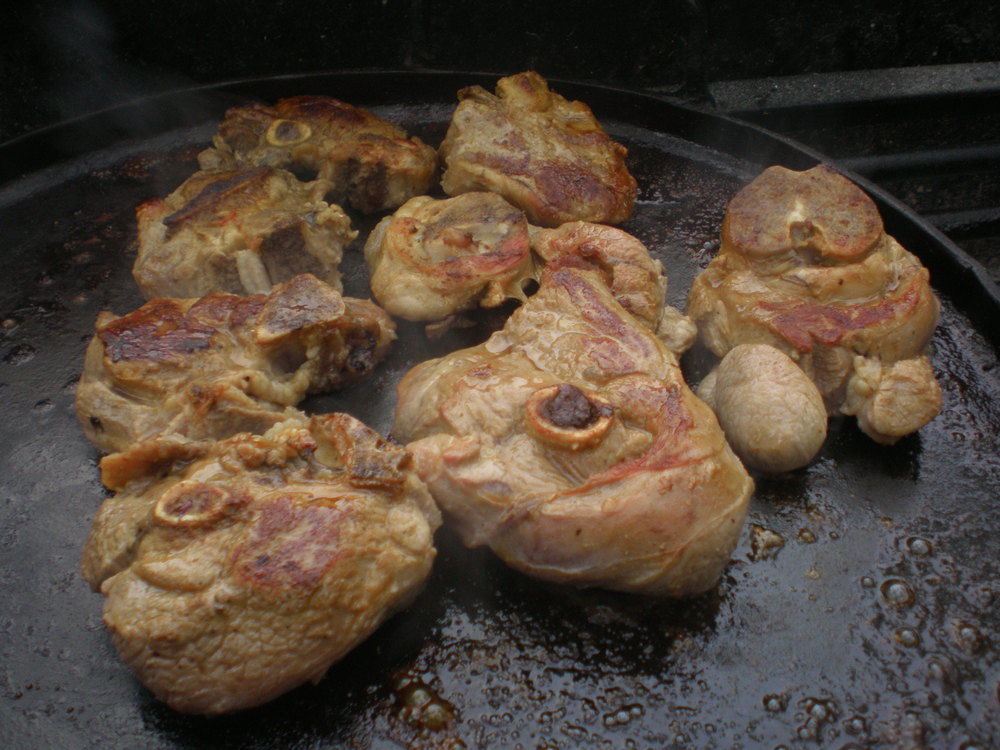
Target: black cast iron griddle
[860,608]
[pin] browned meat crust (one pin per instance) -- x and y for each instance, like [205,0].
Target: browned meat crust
[546,155]
[249,567]
[208,368]
[238,232]
[805,265]
[569,444]
[371,162]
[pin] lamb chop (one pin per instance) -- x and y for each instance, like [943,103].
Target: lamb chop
[435,258]
[569,443]
[205,369]
[234,575]
[546,155]
[805,266]
[368,161]
[238,232]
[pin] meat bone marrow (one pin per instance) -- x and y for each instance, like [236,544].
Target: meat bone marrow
[805,266]
[236,570]
[204,369]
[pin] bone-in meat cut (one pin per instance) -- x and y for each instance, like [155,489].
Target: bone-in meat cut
[211,367]
[239,232]
[369,163]
[806,266]
[235,575]
[548,156]
[569,443]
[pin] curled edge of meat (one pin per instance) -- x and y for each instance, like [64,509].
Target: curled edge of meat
[661,512]
[235,571]
[805,266]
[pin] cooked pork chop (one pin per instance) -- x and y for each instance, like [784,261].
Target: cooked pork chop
[238,232]
[211,367]
[434,258]
[805,265]
[569,444]
[370,162]
[546,155]
[250,569]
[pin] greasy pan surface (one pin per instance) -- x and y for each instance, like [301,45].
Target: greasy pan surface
[875,623]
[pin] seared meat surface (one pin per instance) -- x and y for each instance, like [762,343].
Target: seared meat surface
[434,258]
[546,155]
[368,162]
[805,265]
[569,443]
[208,368]
[238,232]
[249,569]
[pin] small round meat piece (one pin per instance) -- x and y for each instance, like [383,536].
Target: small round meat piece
[771,412]
[546,155]
[434,258]
[242,571]
[368,162]
[238,232]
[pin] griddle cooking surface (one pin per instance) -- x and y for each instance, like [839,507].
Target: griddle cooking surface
[874,623]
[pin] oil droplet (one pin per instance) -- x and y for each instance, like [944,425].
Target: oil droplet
[939,669]
[764,543]
[855,726]
[907,637]
[812,574]
[419,705]
[806,536]
[774,704]
[967,637]
[897,593]
[8,324]
[918,546]
[868,582]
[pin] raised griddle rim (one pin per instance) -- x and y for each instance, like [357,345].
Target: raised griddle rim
[952,269]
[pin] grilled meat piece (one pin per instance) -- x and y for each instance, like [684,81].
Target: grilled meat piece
[250,569]
[370,162]
[211,367]
[805,265]
[569,443]
[238,232]
[434,258]
[546,155]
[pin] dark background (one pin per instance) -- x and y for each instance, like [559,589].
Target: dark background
[64,58]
